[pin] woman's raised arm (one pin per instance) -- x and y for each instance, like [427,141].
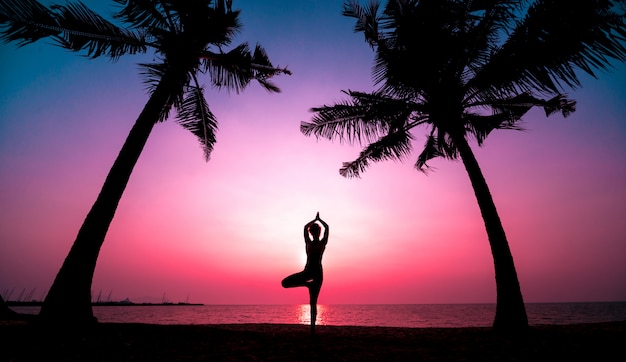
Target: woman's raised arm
[307,238]
[325,225]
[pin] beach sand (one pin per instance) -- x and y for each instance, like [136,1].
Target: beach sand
[24,341]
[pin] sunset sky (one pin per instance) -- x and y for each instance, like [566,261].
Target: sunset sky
[228,231]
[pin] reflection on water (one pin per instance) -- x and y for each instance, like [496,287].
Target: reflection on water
[304,314]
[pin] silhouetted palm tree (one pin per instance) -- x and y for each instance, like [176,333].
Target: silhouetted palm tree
[463,69]
[188,38]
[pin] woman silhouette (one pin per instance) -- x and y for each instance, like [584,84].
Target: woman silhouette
[312,275]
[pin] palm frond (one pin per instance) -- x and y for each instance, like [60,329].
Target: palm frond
[152,73]
[195,116]
[366,19]
[235,69]
[559,104]
[413,58]
[204,20]
[392,110]
[263,70]
[26,21]
[73,26]
[222,27]
[518,106]
[543,54]
[430,151]
[481,126]
[229,70]
[497,15]
[158,75]
[88,31]
[392,146]
[508,111]
[345,122]
[491,21]
[143,14]
[438,144]
[364,118]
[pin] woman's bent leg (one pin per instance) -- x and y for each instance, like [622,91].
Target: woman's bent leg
[295,280]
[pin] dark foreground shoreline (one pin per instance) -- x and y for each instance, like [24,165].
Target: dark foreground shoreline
[25,341]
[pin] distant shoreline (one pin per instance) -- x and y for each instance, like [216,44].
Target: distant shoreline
[106,304]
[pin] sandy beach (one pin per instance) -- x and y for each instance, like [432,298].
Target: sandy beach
[23,341]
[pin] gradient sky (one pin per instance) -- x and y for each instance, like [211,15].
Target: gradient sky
[229,230]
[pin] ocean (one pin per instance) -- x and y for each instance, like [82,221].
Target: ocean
[385,315]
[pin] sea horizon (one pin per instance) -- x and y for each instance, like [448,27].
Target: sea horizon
[373,315]
[130,302]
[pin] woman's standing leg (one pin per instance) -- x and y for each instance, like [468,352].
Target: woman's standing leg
[314,292]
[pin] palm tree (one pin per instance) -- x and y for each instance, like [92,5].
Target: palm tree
[188,38]
[462,69]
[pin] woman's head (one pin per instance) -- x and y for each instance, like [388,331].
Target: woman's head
[315,230]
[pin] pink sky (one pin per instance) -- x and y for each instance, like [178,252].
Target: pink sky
[229,230]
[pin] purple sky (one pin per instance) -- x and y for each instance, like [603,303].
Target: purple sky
[229,230]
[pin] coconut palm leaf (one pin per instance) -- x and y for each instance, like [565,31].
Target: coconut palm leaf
[263,70]
[195,116]
[346,122]
[85,30]
[154,74]
[497,17]
[508,112]
[146,14]
[26,21]
[392,146]
[235,69]
[364,118]
[74,27]
[543,54]
[366,19]
[431,150]
[517,106]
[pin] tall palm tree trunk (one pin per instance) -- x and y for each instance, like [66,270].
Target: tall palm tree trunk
[510,309]
[69,298]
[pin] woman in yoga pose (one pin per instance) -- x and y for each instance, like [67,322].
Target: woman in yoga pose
[312,275]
